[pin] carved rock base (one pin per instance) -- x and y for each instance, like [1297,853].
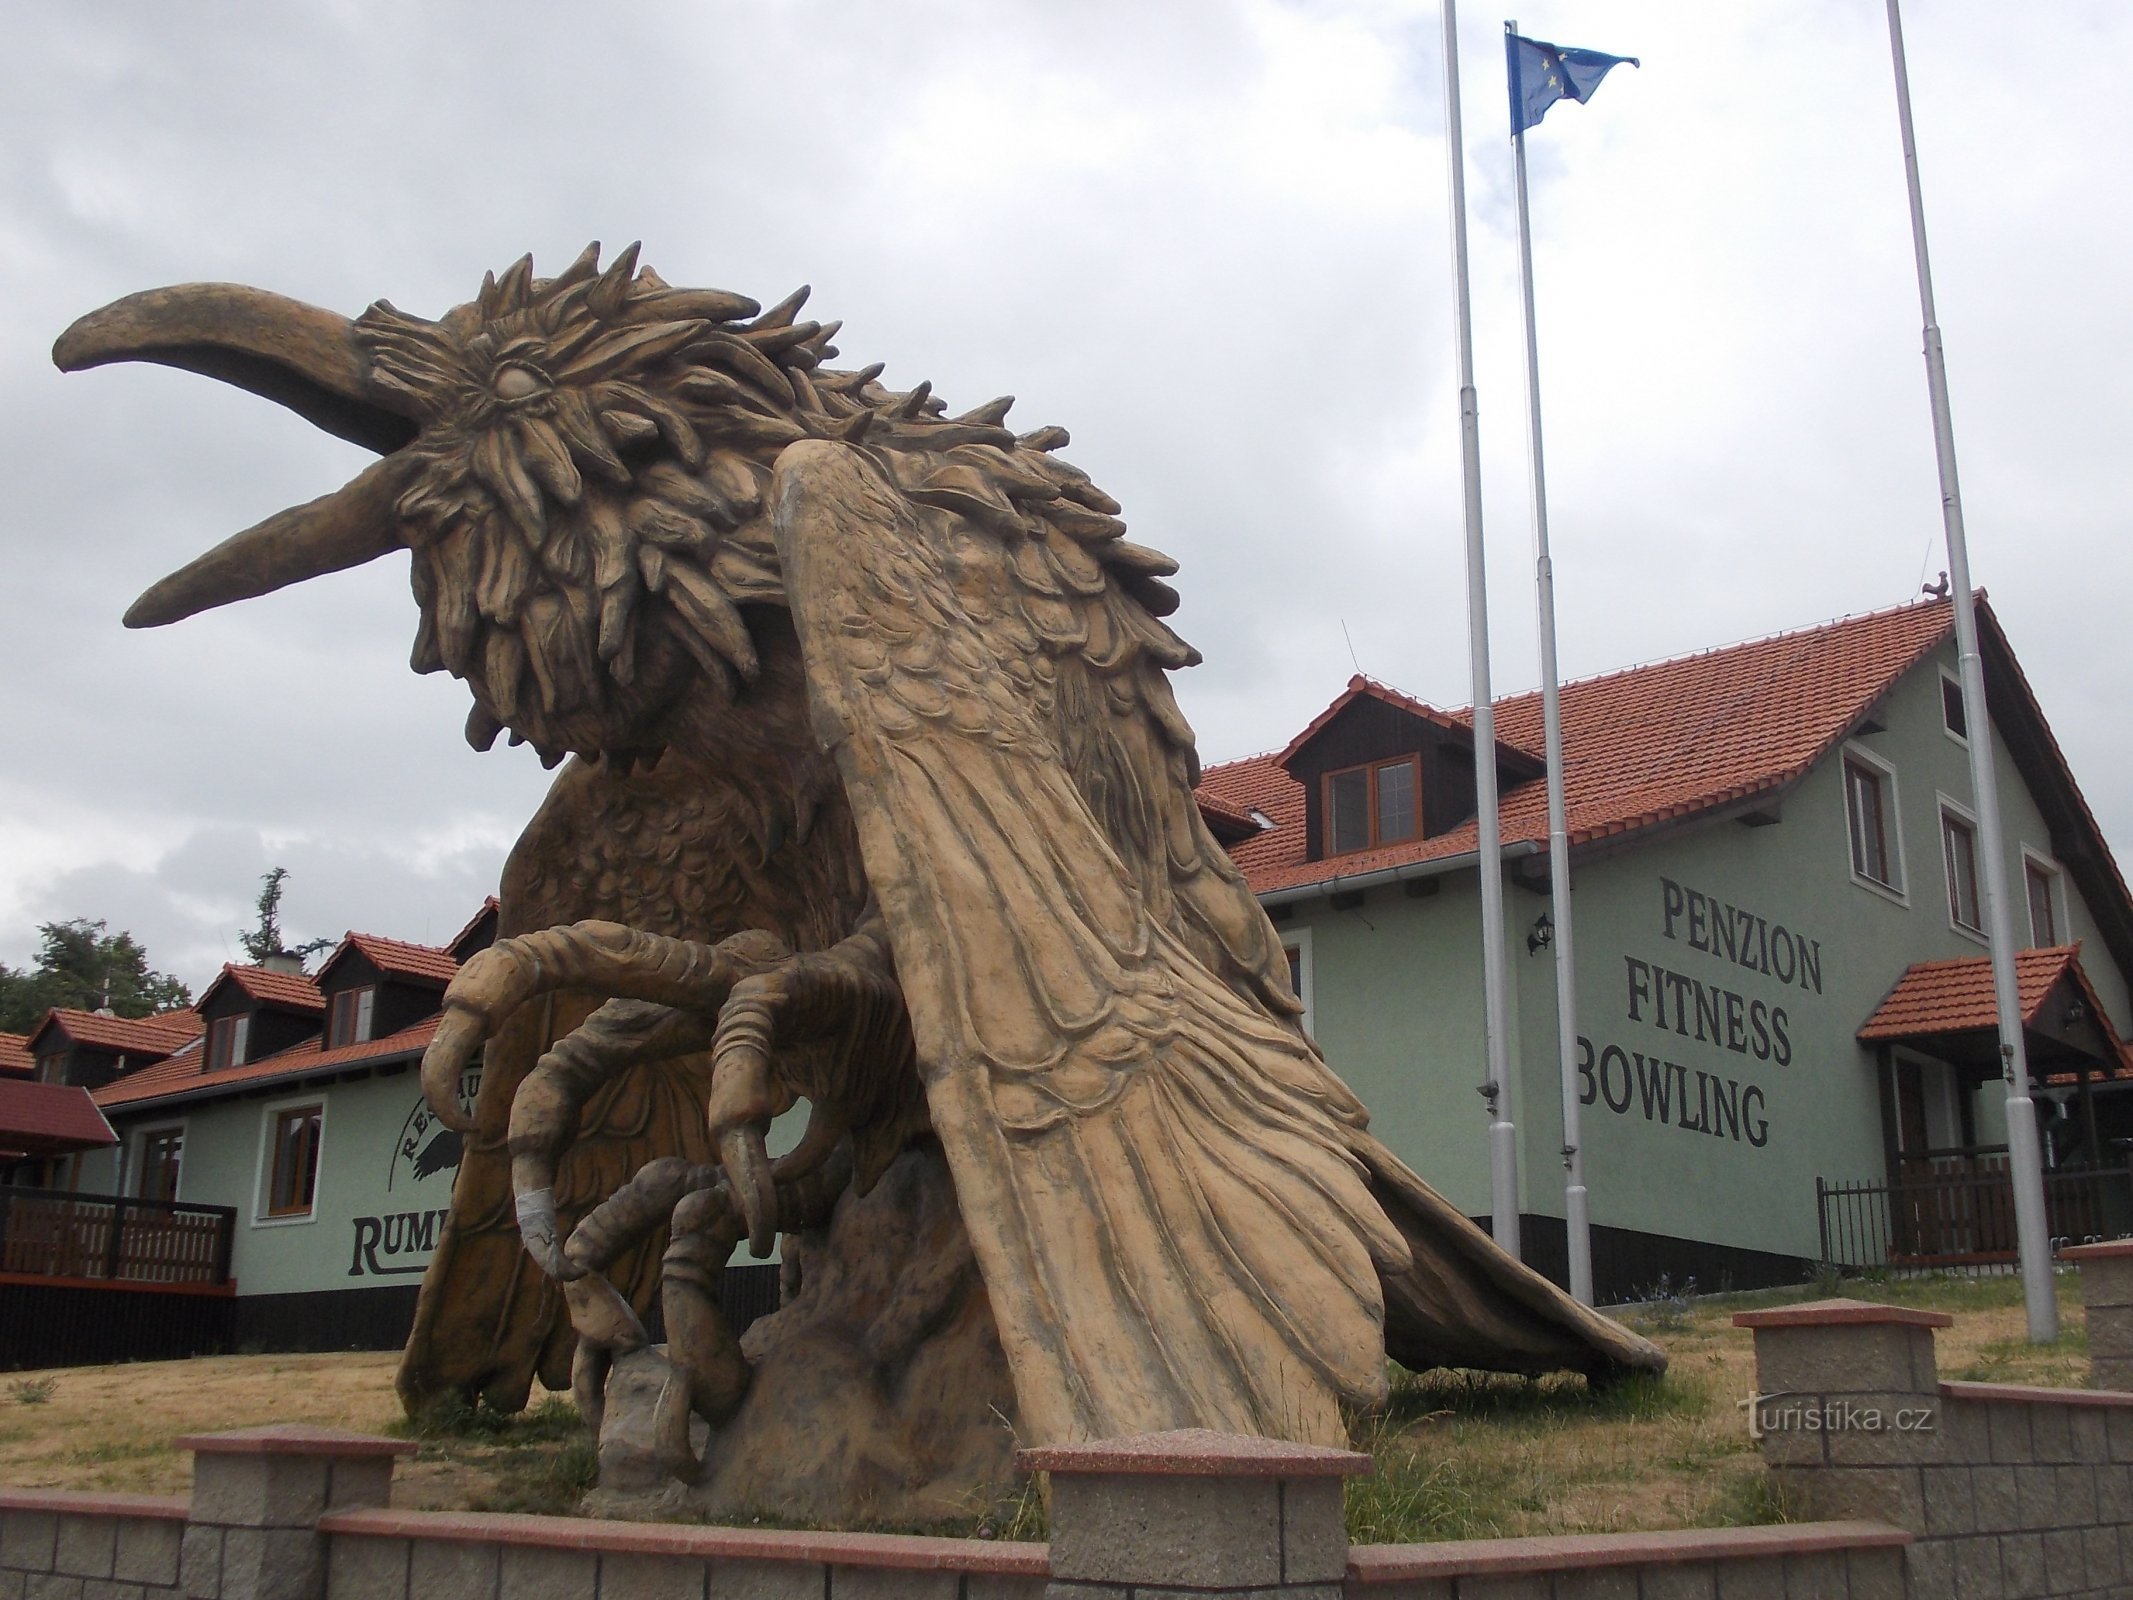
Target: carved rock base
[880,1395]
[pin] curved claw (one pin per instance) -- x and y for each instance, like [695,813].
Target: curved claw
[742,1152]
[537,1231]
[460,1034]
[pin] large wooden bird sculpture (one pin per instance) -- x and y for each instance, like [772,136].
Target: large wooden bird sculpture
[881,801]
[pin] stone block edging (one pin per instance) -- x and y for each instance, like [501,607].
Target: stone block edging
[1195,1453]
[79,1503]
[2030,1394]
[1841,1314]
[294,1439]
[1471,1558]
[901,1551]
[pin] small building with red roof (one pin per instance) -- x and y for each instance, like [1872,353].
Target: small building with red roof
[1774,854]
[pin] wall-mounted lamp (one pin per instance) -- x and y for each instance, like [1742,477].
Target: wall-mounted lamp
[2076,1013]
[1542,936]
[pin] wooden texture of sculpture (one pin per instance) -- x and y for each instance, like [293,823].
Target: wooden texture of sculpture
[882,802]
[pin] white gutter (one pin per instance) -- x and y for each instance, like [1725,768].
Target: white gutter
[1439,867]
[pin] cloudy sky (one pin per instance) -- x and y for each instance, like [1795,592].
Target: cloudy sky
[1208,236]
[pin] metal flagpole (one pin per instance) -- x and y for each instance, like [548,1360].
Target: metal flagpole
[1577,1217]
[2031,1230]
[1503,1132]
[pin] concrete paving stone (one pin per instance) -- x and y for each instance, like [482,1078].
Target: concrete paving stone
[768,1580]
[2091,1434]
[1314,1533]
[1598,1583]
[2111,1338]
[2118,1422]
[892,1583]
[1216,1533]
[357,1483]
[1504,1586]
[1298,1591]
[1870,1494]
[11,1584]
[2114,1375]
[1929,1567]
[2035,1492]
[112,1589]
[1846,1359]
[1950,1507]
[534,1572]
[258,1491]
[272,1564]
[363,1568]
[977,1586]
[2011,1441]
[1875,1574]
[2052,1433]
[1813,1574]
[2022,1562]
[1852,1442]
[2100,1554]
[1055,1590]
[1793,1447]
[1419,1589]
[1963,1433]
[2065,1566]
[2074,1488]
[1757,1578]
[1679,1580]
[52,1586]
[449,1570]
[2106,1282]
[28,1540]
[644,1577]
[147,1551]
[1992,1492]
[2114,1494]
[200,1561]
[85,1546]
[1977,1569]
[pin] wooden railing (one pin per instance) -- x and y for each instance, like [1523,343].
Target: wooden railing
[1961,1214]
[48,1234]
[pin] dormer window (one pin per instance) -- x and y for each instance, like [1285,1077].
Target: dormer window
[226,1037]
[349,1019]
[1373,805]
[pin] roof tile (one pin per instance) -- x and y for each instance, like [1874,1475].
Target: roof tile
[156,1035]
[399,958]
[182,1075]
[46,1118]
[291,990]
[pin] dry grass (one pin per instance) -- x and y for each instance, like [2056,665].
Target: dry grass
[1460,1455]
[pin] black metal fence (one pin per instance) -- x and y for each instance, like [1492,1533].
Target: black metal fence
[1963,1217]
[50,1234]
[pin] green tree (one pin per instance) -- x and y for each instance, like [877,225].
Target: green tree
[82,967]
[266,940]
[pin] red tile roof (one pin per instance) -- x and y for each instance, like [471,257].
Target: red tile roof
[397,957]
[490,905]
[49,1119]
[1641,747]
[156,1035]
[292,991]
[182,1076]
[1956,996]
[15,1053]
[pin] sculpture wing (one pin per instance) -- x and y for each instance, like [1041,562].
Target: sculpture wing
[1152,1169]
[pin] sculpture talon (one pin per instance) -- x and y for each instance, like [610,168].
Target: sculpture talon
[886,804]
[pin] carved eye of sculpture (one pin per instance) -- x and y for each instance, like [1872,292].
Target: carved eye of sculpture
[514,384]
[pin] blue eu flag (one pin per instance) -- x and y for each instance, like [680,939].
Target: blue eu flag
[1542,74]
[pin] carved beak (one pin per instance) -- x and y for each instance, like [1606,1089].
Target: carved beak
[298,356]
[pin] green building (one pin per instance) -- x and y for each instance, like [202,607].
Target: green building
[1781,973]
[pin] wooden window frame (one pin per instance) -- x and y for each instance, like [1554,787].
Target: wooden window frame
[361,1019]
[1889,835]
[1296,944]
[2038,868]
[1370,771]
[227,1039]
[273,1205]
[1958,820]
[143,1142]
[1949,681]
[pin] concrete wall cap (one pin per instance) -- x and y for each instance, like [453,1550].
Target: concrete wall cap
[2108,1250]
[2031,1395]
[903,1551]
[1841,1314]
[76,1503]
[1195,1453]
[295,1439]
[1406,1563]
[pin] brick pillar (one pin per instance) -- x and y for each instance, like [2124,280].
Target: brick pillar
[1849,1407]
[2107,1304]
[1195,1510]
[257,1496]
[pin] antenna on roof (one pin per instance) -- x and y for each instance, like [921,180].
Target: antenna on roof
[1351,648]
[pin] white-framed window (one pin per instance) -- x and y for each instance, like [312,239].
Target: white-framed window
[1954,718]
[1870,812]
[292,1143]
[348,1020]
[1959,860]
[1296,943]
[158,1156]
[2044,883]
